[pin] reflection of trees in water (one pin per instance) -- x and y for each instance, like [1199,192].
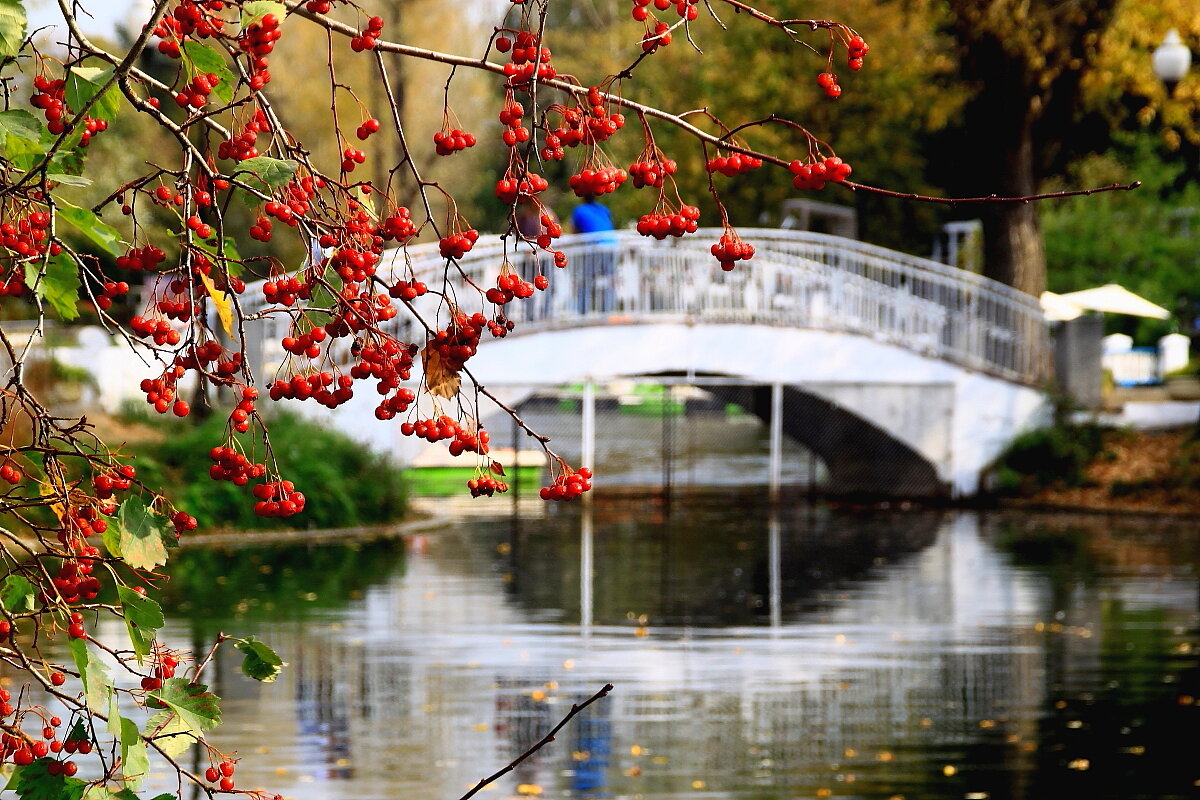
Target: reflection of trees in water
[704,559]
[274,583]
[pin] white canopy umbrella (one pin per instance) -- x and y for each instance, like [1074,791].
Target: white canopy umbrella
[1057,309]
[1115,299]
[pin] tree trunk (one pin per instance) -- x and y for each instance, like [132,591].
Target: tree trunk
[1013,250]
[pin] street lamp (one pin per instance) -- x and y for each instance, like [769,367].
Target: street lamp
[1172,60]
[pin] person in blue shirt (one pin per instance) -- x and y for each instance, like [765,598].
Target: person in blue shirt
[596,276]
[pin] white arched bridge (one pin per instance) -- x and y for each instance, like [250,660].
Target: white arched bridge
[921,372]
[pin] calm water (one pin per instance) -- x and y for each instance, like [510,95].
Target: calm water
[814,654]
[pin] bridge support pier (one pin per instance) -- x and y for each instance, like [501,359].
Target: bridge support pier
[775,463]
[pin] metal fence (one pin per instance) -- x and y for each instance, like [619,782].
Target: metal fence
[796,279]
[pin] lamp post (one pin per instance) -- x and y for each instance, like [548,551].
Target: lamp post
[1172,60]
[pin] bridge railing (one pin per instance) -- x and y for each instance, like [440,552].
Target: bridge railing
[796,279]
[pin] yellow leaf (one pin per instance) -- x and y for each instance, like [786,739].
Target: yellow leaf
[221,303]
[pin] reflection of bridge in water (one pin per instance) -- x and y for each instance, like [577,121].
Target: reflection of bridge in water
[437,668]
[920,370]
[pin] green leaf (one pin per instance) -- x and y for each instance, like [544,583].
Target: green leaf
[23,154]
[135,761]
[58,284]
[261,662]
[34,782]
[68,180]
[111,536]
[17,595]
[20,123]
[229,251]
[208,61]
[84,83]
[274,172]
[143,617]
[98,792]
[198,708]
[91,226]
[97,683]
[255,10]
[12,27]
[169,733]
[142,544]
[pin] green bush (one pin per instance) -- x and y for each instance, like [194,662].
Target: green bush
[1047,456]
[344,483]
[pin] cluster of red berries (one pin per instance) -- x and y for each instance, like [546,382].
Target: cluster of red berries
[448,141]
[239,418]
[398,226]
[74,580]
[730,249]
[142,258]
[367,128]
[286,291]
[408,290]
[551,230]
[351,158]
[11,473]
[306,344]
[661,224]
[368,36]
[14,284]
[23,751]
[856,49]
[277,499]
[199,227]
[582,125]
[601,180]
[508,285]
[257,40]
[352,264]
[233,466]
[458,244]
[508,188]
[119,480]
[436,429]
[28,236]
[165,668]
[459,340]
[389,361]
[568,486]
[659,36]
[195,94]
[486,486]
[359,310]
[652,171]
[261,230]
[733,164]
[512,116]
[685,8]
[196,18]
[157,330]
[314,384]
[528,60]
[49,97]
[85,521]
[108,291]
[244,145]
[75,628]
[222,774]
[829,83]
[816,173]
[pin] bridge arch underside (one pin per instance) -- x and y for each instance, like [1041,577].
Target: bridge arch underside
[862,459]
[885,420]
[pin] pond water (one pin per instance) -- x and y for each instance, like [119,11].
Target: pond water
[804,654]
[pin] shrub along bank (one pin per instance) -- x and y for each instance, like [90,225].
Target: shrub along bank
[344,483]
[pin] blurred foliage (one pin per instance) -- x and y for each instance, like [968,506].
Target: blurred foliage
[1054,455]
[344,483]
[1142,239]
